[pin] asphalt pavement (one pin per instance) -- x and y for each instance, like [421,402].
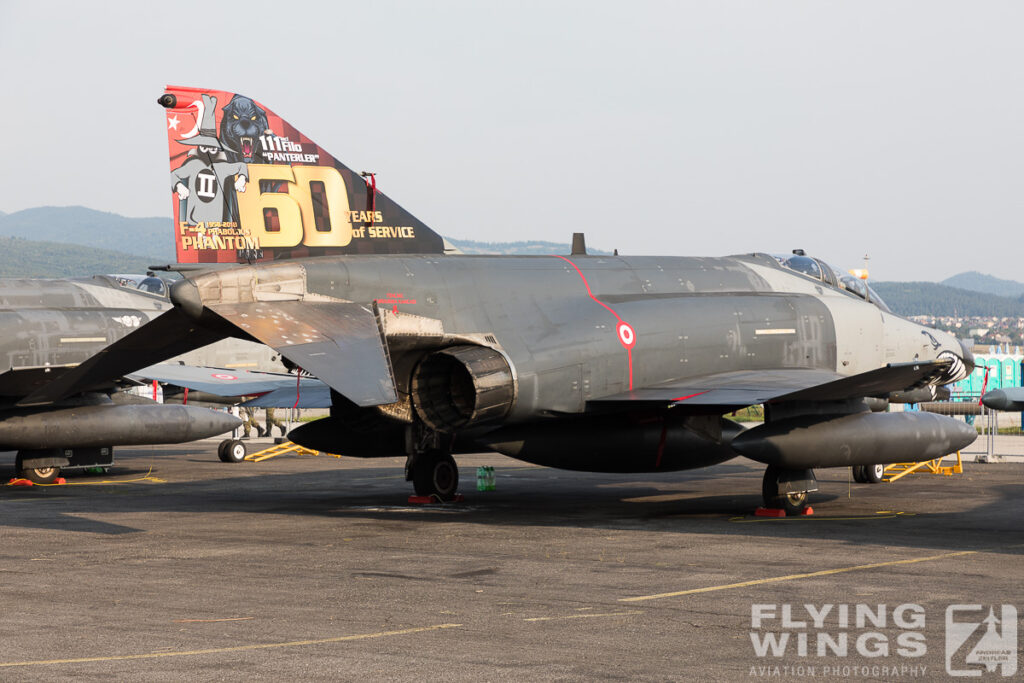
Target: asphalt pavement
[176,566]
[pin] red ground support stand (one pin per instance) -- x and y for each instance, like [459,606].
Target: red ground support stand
[776,512]
[434,500]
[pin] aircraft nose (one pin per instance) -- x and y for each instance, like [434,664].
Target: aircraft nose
[967,355]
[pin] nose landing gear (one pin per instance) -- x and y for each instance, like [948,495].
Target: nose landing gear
[787,489]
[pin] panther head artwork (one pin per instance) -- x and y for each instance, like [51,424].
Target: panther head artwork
[240,128]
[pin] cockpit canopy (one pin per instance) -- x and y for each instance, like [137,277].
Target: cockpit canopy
[143,283]
[817,269]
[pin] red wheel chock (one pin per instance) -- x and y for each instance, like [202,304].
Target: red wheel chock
[777,512]
[434,500]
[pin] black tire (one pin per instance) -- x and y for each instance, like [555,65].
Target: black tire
[858,474]
[231,450]
[40,475]
[36,475]
[434,473]
[873,474]
[792,503]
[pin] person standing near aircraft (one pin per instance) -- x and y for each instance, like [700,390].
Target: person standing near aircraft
[272,422]
[249,415]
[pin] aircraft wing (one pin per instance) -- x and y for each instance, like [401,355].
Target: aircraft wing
[750,387]
[227,381]
[312,394]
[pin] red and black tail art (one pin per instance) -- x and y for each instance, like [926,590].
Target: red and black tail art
[247,186]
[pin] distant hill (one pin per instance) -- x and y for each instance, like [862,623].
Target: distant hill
[74,240]
[537,248]
[929,298]
[152,238]
[30,258]
[987,284]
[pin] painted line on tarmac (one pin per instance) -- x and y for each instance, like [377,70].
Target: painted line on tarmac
[882,514]
[239,648]
[794,577]
[586,616]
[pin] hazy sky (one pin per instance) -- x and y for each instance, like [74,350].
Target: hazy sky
[689,128]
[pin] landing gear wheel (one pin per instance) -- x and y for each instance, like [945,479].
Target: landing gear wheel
[231,450]
[858,474]
[792,503]
[873,474]
[434,473]
[40,475]
[37,475]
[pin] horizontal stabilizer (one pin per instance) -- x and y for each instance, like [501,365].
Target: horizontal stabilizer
[340,343]
[169,335]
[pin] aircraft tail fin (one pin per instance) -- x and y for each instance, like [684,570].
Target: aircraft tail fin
[247,186]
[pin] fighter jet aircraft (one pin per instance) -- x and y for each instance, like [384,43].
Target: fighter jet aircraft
[49,327]
[593,363]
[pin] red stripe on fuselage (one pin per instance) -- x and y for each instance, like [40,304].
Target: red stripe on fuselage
[629,350]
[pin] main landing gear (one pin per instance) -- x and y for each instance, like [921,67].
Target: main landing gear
[433,472]
[787,489]
[231,450]
[868,474]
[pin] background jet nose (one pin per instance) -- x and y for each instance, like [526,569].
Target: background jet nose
[967,356]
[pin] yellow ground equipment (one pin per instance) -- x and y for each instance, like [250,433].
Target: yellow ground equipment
[284,449]
[901,469]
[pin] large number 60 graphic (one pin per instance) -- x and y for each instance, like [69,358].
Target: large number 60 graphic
[295,208]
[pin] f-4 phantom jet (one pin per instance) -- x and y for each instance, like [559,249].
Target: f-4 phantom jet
[49,327]
[582,362]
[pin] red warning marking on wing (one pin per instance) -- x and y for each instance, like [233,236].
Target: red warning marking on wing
[395,298]
[623,330]
[683,398]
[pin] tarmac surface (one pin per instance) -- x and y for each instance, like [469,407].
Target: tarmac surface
[176,566]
